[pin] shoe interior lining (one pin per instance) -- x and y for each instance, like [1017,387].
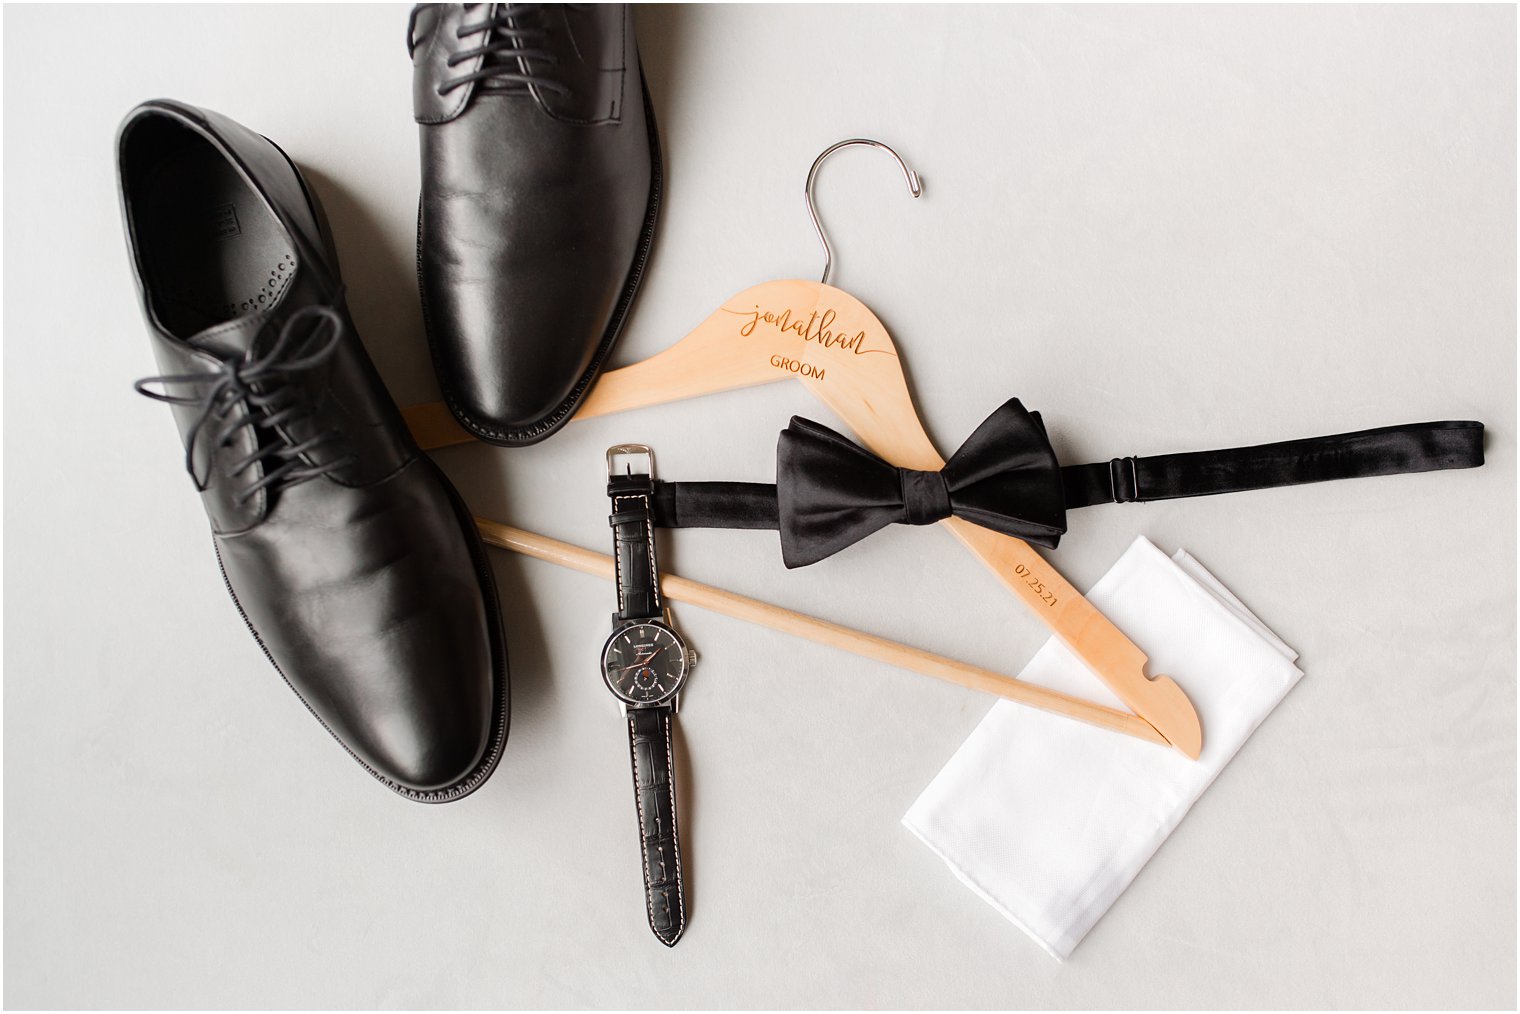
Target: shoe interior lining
[210,249]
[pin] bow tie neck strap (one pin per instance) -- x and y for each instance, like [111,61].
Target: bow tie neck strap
[1387,450]
[742,505]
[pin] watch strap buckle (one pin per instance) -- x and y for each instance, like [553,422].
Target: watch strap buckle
[625,455]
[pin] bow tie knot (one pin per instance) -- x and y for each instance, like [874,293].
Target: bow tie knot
[925,496]
[831,493]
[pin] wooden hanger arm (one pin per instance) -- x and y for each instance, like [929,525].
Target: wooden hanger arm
[433,426]
[833,635]
[1090,635]
[674,375]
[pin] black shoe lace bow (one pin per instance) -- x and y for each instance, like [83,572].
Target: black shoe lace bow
[505,42]
[264,385]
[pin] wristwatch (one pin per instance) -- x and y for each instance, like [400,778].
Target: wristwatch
[645,664]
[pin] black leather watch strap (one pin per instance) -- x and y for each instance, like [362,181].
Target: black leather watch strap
[649,731]
[633,532]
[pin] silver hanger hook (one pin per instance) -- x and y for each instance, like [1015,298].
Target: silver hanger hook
[915,188]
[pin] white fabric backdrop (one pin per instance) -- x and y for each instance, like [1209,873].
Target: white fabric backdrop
[1166,229]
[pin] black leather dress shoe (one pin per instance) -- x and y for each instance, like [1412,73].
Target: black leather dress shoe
[540,188]
[350,556]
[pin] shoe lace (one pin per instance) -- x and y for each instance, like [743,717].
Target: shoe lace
[263,385]
[504,41]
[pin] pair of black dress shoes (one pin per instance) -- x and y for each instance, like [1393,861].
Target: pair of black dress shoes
[351,557]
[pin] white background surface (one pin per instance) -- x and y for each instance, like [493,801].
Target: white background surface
[1166,229]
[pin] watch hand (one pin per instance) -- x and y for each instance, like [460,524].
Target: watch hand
[644,663]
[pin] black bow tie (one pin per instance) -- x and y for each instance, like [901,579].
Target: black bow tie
[831,493]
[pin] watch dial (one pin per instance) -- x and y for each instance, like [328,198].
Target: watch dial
[644,663]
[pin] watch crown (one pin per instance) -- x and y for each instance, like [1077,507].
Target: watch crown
[691,657]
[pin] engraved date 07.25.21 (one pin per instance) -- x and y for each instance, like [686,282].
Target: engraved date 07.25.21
[1048,597]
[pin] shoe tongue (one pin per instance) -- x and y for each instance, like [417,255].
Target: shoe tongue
[506,58]
[232,338]
[503,60]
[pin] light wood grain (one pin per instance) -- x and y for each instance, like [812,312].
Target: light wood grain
[679,589]
[433,426]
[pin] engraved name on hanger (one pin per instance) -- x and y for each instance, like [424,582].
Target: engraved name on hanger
[817,328]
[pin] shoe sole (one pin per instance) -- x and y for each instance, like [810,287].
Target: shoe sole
[534,432]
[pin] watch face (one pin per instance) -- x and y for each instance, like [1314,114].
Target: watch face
[644,663]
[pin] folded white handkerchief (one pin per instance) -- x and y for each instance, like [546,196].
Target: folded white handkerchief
[1049,819]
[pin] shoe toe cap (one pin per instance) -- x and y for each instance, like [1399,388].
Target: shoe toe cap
[428,753]
[512,355]
[385,631]
[422,696]
[517,318]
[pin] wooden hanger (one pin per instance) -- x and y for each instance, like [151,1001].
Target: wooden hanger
[838,349]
